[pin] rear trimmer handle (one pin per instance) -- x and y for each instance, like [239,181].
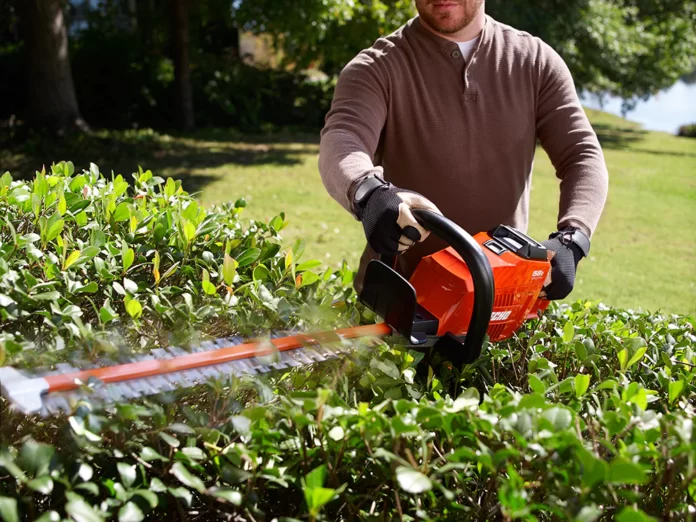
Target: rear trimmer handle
[481,273]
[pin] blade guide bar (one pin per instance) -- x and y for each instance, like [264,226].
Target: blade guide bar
[170,363]
[108,393]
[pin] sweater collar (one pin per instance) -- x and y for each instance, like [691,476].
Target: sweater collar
[444,43]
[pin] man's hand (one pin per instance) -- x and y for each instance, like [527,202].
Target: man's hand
[564,263]
[389,224]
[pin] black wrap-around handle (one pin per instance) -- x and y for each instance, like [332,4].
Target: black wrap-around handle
[482,274]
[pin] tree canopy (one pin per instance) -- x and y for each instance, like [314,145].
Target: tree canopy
[147,58]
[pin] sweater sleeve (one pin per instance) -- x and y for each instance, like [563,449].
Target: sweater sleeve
[566,135]
[353,126]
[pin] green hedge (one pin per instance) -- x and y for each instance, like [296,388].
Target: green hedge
[586,414]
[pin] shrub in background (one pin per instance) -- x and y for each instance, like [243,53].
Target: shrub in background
[586,414]
[688,131]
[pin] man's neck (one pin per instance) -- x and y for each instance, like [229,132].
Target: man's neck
[469,32]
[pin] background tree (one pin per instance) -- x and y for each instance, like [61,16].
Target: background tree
[323,33]
[627,48]
[52,100]
[182,69]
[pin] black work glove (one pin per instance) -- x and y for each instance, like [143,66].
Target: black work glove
[564,264]
[387,219]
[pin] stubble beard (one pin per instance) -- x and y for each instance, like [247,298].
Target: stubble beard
[448,23]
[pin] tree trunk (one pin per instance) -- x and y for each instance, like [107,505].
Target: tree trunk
[182,72]
[51,92]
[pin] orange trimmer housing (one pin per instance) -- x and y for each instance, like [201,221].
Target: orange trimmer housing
[444,285]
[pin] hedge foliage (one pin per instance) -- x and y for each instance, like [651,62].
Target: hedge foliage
[586,414]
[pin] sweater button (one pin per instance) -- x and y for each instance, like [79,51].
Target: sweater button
[456,54]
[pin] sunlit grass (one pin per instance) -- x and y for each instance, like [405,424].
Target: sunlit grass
[643,253]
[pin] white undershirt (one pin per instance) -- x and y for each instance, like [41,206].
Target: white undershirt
[467,48]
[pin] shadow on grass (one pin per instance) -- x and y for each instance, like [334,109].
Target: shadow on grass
[622,138]
[179,156]
[614,137]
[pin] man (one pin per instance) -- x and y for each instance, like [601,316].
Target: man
[445,114]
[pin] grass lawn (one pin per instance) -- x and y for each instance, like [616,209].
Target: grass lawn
[643,253]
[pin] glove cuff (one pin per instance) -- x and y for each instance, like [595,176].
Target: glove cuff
[363,191]
[572,236]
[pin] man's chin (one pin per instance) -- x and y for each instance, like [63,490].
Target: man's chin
[445,25]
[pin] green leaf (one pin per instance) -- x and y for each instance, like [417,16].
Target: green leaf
[316,498]
[675,389]
[580,351]
[107,314]
[640,352]
[189,231]
[537,385]
[412,480]
[276,224]
[582,382]
[72,258]
[594,470]
[316,477]
[337,433]
[170,270]
[559,417]
[149,496]
[54,227]
[62,205]
[130,512]
[170,187]
[308,278]
[623,358]
[179,427]
[229,269]
[248,257]
[128,258]
[609,384]
[89,288]
[35,457]
[191,212]
[148,454]
[134,308]
[298,248]
[623,471]
[568,332]
[8,509]
[49,516]
[80,510]
[228,495]
[308,265]
[589,513]
[186,478]
[43,484]
[172,441]
[127,473]
[130,285]
[208,287]
[630,514]
[85,472]
[121,213]
[261,273]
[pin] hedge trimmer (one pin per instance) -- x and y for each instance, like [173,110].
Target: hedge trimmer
[488,284]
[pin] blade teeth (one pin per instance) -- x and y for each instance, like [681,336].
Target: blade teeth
[301,355]
[313,354]
[228,341]
[289,360]
[56,403]
[245,366]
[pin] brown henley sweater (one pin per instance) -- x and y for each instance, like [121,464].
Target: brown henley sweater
[462,134]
